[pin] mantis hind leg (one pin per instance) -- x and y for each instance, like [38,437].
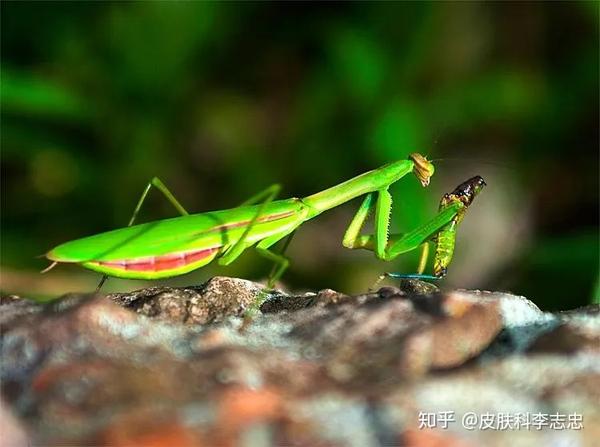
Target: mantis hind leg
[158,184]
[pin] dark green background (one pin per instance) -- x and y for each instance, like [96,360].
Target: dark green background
[222,99]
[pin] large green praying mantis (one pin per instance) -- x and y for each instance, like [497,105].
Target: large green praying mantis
[172,247]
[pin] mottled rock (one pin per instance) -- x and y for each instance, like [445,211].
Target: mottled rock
[567,338]
[212,301]
[12,431]
[171,366]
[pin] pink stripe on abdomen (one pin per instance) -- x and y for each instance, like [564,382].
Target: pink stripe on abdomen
[161,263]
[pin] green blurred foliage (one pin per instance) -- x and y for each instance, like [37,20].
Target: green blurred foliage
[223,99]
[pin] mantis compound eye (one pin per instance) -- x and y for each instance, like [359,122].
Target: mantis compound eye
[423,168]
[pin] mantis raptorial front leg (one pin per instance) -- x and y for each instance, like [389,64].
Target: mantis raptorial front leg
[385,246]
[442,227]
[158,184]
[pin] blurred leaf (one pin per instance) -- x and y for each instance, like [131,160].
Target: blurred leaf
[360,64]
[399,131]
[502,96]
[569,265]
[24,93]
[153,42]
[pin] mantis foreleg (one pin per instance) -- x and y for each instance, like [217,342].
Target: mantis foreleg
[403,242]
[388,247]
[443,227]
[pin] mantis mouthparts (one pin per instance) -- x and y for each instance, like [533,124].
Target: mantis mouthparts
[423,168]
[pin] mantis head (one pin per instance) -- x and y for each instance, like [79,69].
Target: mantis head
[423,168]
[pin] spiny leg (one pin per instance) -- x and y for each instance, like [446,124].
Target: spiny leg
[379,241]
[423,257]
[455,204]
[419,275]
[389,247]
[420,269]
[419,237]
[442,228]
[158,184]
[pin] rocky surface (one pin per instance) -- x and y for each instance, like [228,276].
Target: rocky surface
[182,367]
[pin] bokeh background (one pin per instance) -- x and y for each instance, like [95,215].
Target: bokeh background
[221,100]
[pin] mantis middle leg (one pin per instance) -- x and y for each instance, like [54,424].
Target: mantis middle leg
[241,244]
[281,262]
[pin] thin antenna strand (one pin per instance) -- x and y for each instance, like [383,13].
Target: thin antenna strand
[50,267]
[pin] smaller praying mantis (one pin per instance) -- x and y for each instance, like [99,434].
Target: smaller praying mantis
[172,247]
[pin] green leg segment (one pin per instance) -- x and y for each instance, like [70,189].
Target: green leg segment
[256,198]
[284,248]
[279,258]
[236,249]
[158,184]
[281,263]
[387,247]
